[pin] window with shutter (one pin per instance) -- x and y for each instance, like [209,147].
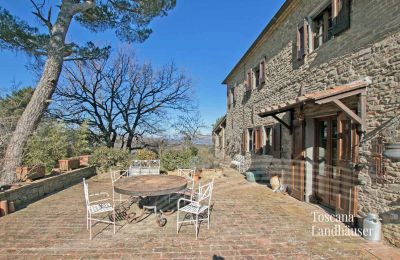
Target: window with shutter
[267,140]
[276,145]
[341,16]
[250,142]
[228,99]
[248,85]
[243,142]
[258,141]
[302,39]
[262,72]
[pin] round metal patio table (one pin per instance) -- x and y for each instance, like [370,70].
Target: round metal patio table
[149,186]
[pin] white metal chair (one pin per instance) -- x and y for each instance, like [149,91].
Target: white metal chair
[196,208]
[188,175]
[115,176]
[96,207]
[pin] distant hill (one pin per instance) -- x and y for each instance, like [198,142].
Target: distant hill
[203,140]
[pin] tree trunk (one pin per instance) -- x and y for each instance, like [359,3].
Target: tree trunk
[129,142]
[43,92]
[30,118]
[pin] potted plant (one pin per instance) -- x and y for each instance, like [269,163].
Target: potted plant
[196,175]
[84,160]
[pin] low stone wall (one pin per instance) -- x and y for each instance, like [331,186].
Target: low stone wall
[35,191]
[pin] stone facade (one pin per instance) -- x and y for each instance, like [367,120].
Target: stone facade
[370,47]
[31,192]
[218,138]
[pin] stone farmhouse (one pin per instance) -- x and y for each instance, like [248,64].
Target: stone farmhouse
[315,100]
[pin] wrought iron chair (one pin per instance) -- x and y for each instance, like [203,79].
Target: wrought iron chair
[195,208]
[96,207]
[188,175]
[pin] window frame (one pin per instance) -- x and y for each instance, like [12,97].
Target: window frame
[267,138]
[318,17]
[250,140]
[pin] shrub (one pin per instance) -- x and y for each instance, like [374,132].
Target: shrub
[145,154]
[81,145]
[106,159]
[206,159]
[173,159]
[48,145]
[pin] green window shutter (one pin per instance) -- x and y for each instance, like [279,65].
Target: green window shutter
[341,22]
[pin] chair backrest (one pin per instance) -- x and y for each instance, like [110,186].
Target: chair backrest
[187,173]
[86,191]
[205,192]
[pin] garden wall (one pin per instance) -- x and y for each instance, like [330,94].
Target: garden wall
[31,192]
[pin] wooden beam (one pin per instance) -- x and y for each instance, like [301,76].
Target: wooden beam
[348,111]
[289,127]
[340,96]
[363,111]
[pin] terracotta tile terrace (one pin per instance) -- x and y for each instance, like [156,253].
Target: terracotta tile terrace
[248,221]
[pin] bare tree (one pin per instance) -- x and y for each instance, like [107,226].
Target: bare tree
[119,97]
[128,18]
[189,127]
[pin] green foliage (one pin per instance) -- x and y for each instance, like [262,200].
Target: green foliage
[48,145]
[145,154]
[130,19]
[206,159]
[106,159]
[173,159]
[81,145]
[14,104]
[18,35]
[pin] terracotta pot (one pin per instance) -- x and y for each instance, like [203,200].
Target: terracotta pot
[30,172]
[84,160]
[69,164]
[196,176]
[3,208]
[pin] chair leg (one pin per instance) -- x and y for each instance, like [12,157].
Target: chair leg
[208,218]
[177,222]
[90,227]
[114,220]
[87,220]
[196,225]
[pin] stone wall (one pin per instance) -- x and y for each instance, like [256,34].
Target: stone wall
[31,192]
[370,47]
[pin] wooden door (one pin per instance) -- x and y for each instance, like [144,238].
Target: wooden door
[336,150]
[348,142]
[325,157]
[298,160]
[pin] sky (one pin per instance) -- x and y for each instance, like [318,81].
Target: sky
[205,38]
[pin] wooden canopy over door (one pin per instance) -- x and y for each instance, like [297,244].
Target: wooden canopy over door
[298,160]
